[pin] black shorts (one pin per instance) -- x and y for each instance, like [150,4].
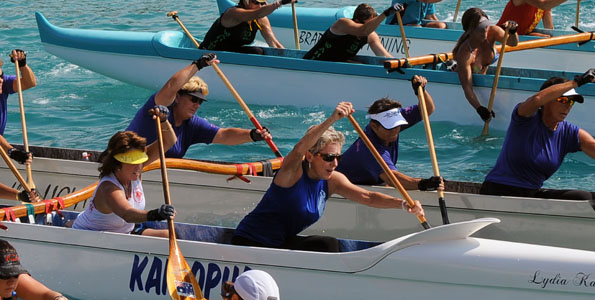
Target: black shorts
[138,229]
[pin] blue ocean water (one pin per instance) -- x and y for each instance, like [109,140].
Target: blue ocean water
[76,108]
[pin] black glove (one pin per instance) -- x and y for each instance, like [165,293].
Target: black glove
[283,2]
[429,184]
[162,213]
[22,62]
[255,136]
[587,77]
[203,60]
[513,26]
[484,113]
[415,85]
[163,112]
[393,9]
[24,196]
[19,156]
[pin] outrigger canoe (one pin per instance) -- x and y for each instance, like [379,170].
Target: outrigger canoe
[439,263]
[313,21]
[201,196]
[282,77]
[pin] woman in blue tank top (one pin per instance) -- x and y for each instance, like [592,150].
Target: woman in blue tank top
[538,139]
[297,196]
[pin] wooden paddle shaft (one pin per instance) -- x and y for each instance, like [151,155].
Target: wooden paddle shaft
[537,43]
[454,18]
[393,179]
[247,110]
[14,170]
[486,125]
[295,26]
[23,122]
[429,136]
[403,37]
[578,8]
[175,17]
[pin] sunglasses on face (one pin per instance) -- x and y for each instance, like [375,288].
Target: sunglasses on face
[195,99]
[330,157]
[259,3]
[565,99]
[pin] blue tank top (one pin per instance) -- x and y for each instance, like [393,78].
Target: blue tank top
[285,212]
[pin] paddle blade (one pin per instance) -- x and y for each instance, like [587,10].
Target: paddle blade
[181,282]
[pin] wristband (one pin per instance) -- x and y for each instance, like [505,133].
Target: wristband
[404,205]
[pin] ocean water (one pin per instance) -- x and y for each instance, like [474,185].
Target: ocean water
[76,108]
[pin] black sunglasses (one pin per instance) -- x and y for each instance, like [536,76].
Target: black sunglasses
[195,99]
[258,3]
[330,157]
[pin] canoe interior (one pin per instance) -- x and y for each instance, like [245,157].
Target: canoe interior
[192,232]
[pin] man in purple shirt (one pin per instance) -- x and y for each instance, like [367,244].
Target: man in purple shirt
[183,94]
[388,119]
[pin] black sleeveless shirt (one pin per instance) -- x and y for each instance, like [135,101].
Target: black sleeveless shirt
[229,39]
[332,47]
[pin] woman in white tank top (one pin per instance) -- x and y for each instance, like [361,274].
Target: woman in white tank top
[119,201]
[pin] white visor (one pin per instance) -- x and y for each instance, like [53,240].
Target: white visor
[389,119]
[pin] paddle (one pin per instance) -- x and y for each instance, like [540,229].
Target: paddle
[174,15]
[181,282]
[486,125]
[454,18]
[393,179]
[403,37]
[531,44]
[578,8]
[432,149]
[14,170]
[23,122]
[295,26]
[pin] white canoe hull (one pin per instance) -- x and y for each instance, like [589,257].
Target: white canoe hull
[440,263]
[210,199]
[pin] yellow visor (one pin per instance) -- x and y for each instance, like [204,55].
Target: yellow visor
[133,157]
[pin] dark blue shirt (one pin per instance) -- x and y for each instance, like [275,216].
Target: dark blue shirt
[358,163]
[6,90]
[531,152]
[192,131]
[285,212]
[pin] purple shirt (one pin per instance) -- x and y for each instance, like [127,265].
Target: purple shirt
[6,90]
[531,152]
[358,163]
[192,131]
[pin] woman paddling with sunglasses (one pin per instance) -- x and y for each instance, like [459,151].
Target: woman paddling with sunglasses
[537,141]
[297,196]
[183,94]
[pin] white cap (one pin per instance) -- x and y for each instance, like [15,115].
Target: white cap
[256,285]
[389,119]
[575,96]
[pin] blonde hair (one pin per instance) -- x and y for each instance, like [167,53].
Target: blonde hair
[196,84]
[330,136]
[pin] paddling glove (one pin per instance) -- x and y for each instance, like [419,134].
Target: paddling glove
[513,27]
[429,184]
[393,9]
[19,156]
[163,112]
[587,77]
[203,60]
[24,196]
[415,85]
[255,136]
[22,62]
[484,113]
[283,2]
[162,213]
